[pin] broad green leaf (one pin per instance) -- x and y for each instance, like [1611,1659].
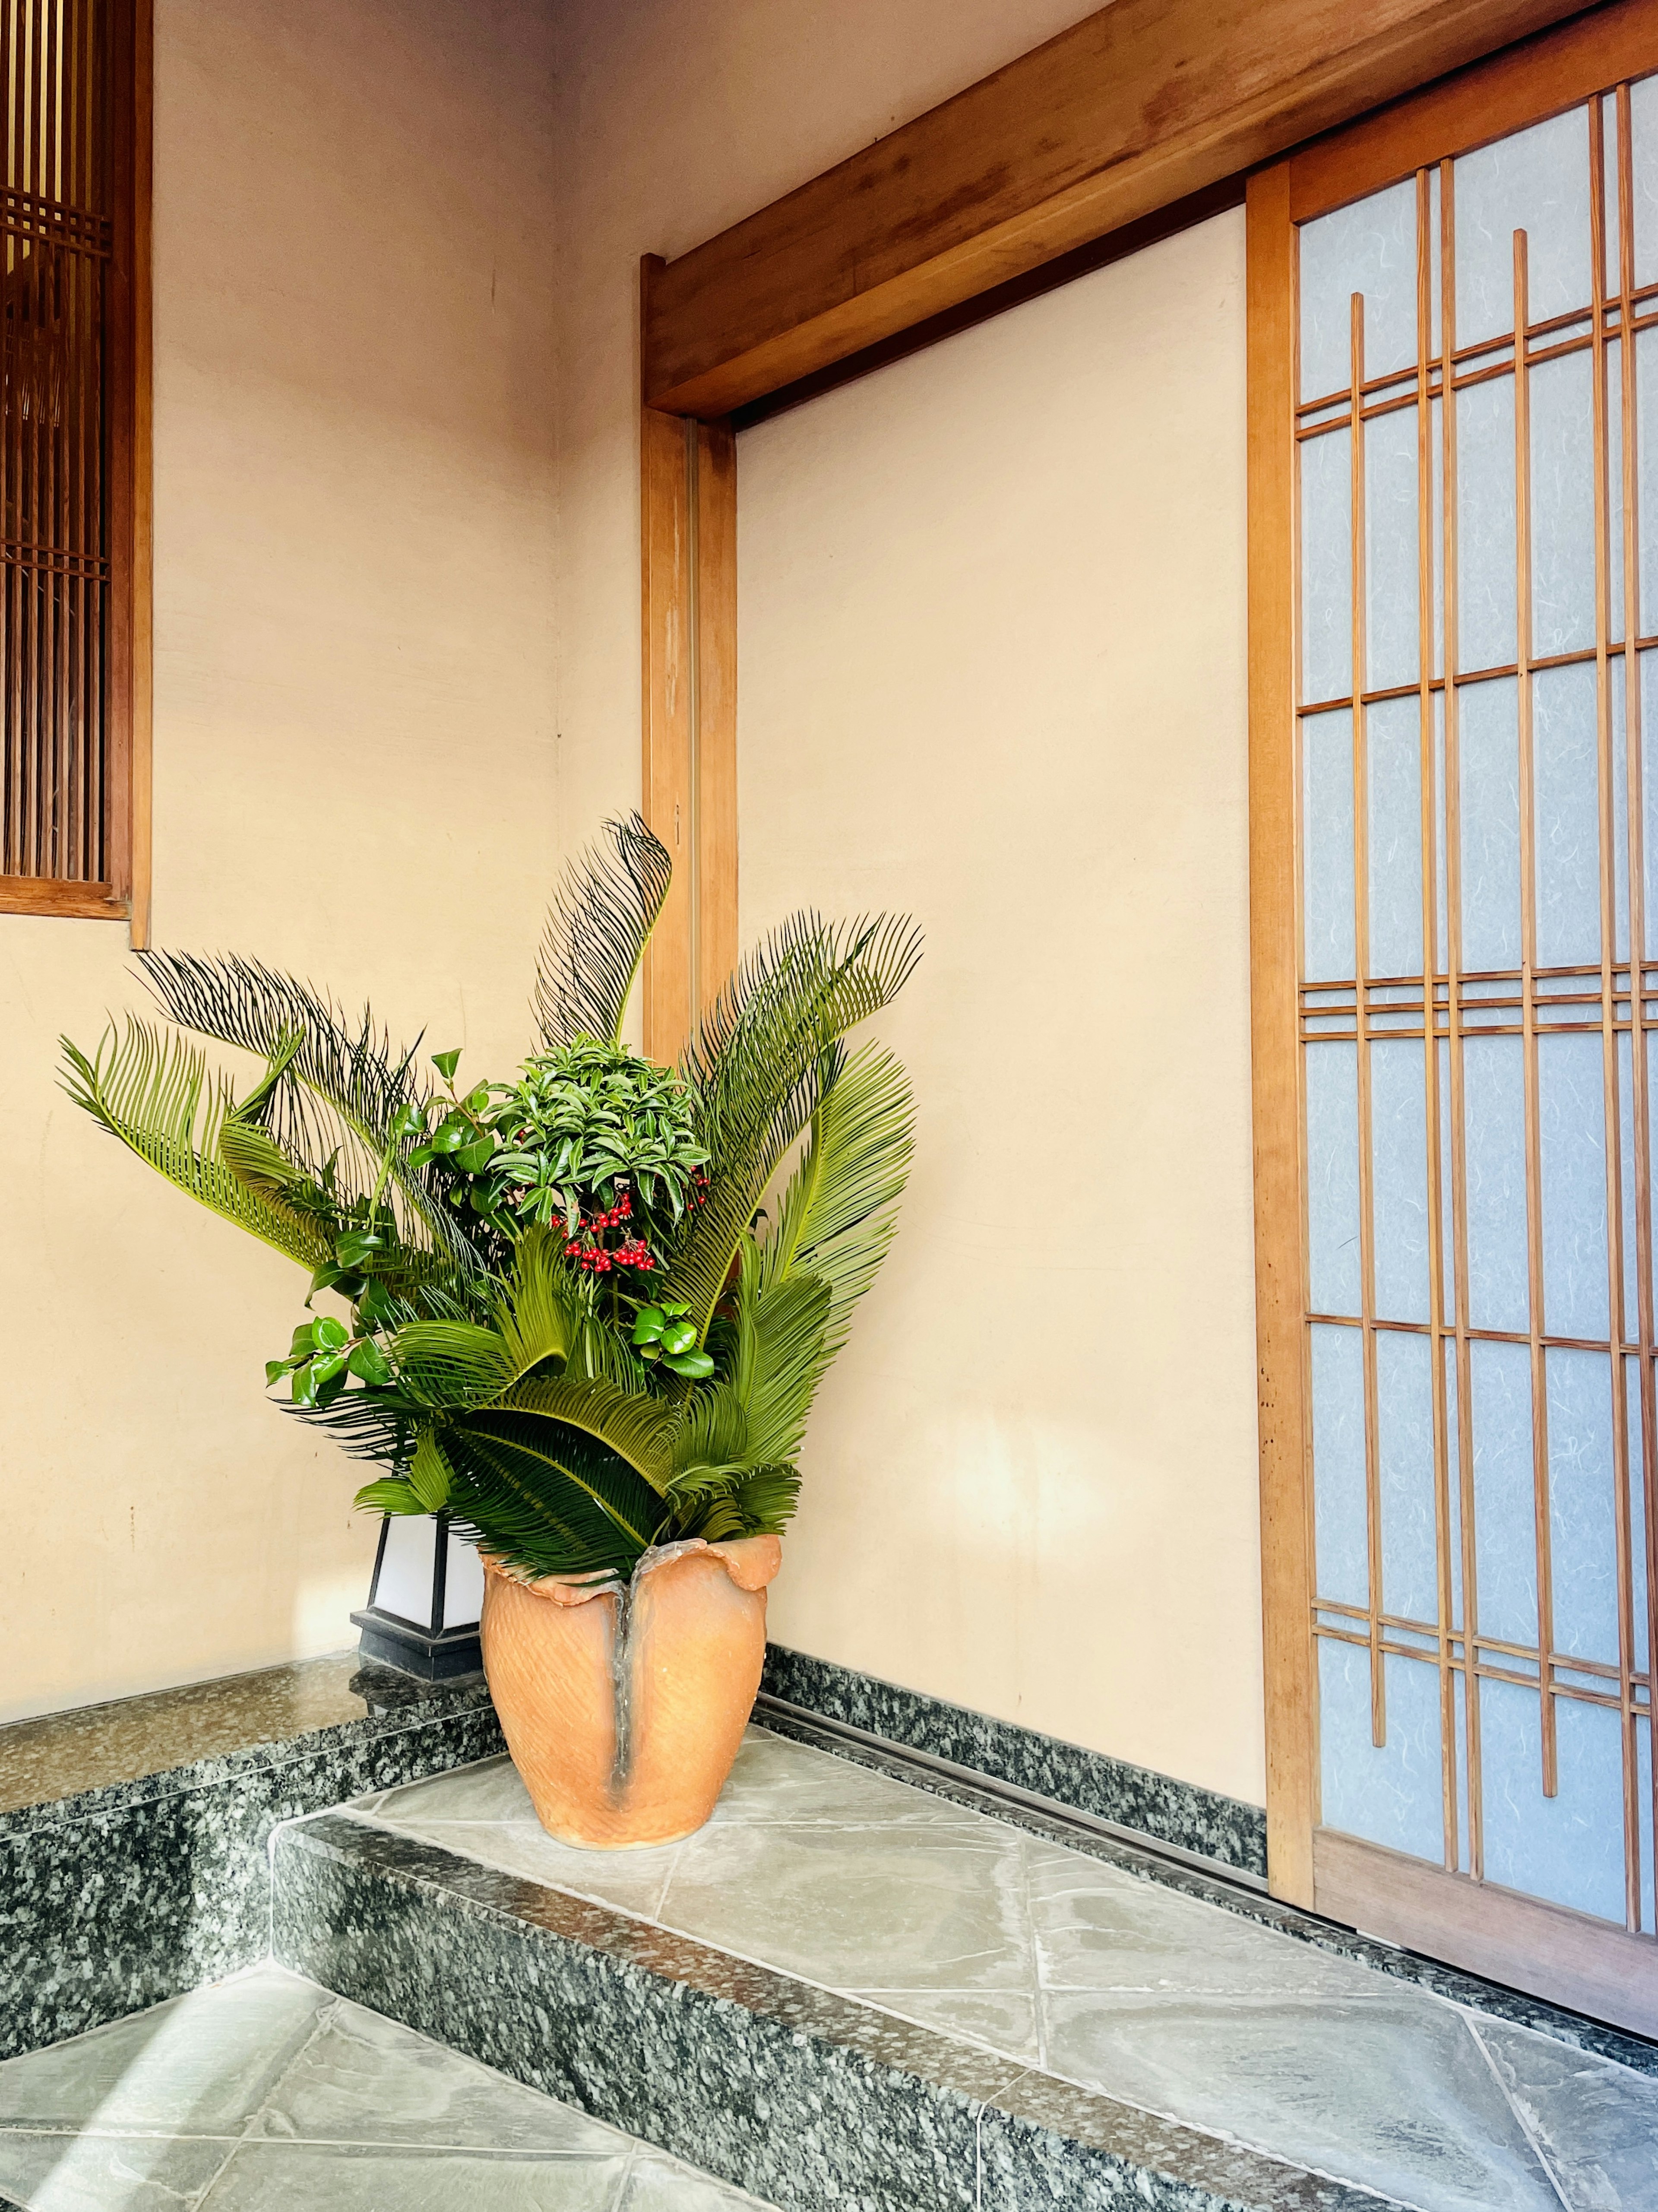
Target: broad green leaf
[328,1334]
[697,1365]
[446,1063]
[368,1364]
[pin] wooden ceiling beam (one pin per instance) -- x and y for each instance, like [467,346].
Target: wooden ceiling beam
[1145,103]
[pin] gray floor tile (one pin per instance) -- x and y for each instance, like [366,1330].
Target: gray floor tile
[662,2184]
[777,1779]
[899,1907]
[633,1881]
[265,2176]
[106,2173]
[364,2079]
[488,1791]
[1384,2095]
[200,2064]
[1096,1928]
[1597,2124]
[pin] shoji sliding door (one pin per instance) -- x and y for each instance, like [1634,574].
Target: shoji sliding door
[1455,632]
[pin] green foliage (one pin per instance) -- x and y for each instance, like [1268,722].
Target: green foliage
[595,1137]
[497,1358]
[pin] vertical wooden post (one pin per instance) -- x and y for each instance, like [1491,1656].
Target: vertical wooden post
[1285,1538]
[688,602]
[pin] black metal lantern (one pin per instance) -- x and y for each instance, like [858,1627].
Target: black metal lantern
[424,1599]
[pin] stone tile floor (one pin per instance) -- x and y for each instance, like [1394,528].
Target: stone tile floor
[264,2092]
[858,1882]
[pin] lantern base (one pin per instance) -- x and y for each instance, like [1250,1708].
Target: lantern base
[390,1642]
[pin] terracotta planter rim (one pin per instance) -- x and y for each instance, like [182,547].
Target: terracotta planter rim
[750,1561]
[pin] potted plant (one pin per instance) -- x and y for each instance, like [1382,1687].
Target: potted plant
[565,1310]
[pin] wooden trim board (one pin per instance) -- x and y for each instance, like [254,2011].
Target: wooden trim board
[688,565]
[1285,1534]
[1138,106]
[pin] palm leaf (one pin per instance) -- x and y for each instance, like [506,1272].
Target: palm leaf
[154,1093]
[541,1308]
[441,1363]
[545,1497]
[837,1215]
[756,1068]
[790,1352]
[639,1430]
[597,933]
[345,1084]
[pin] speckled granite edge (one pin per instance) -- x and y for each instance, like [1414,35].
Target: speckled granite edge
[410,1704]
[131,1895]
[1178,1812]
[803,2098]
[1452,1982]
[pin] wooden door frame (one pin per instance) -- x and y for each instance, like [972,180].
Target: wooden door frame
[1141,116]
[1567,1956]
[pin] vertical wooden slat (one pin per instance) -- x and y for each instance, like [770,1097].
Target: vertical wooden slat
[1280,1296]
[1432,956]
[1362,1047]
[138,581]
[1528,1014]
[1640,1073]
[688,560]
[665,547]
[1607,819]
[714,706]
[1453,1010]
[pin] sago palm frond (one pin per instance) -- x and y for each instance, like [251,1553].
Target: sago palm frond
[345,1082]
[540,1309]
[547,1498]
[155,1094]
[640,1430]
[597,933]
[450,1363]
[838,1213]
[788,1334]
[758,1503]
[539,1312]
[755,1069]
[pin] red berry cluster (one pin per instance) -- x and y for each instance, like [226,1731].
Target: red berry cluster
[586,1248]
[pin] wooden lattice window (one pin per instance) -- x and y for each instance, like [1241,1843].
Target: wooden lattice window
[74,584]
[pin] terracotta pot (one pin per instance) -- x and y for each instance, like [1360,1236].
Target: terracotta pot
[623,1708]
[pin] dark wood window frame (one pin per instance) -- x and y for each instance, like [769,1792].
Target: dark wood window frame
[123,894]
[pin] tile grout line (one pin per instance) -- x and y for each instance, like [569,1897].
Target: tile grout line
[324,2016]
[1470,2022]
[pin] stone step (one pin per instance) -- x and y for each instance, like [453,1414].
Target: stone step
[264,2090]
[851,1991]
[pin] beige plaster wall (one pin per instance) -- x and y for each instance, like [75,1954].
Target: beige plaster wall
[354,778]
[991,666]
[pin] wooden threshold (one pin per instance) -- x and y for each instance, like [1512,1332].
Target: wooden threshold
[1548,1951]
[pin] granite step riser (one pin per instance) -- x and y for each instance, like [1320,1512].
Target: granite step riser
[147,1890]
[758,2088]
